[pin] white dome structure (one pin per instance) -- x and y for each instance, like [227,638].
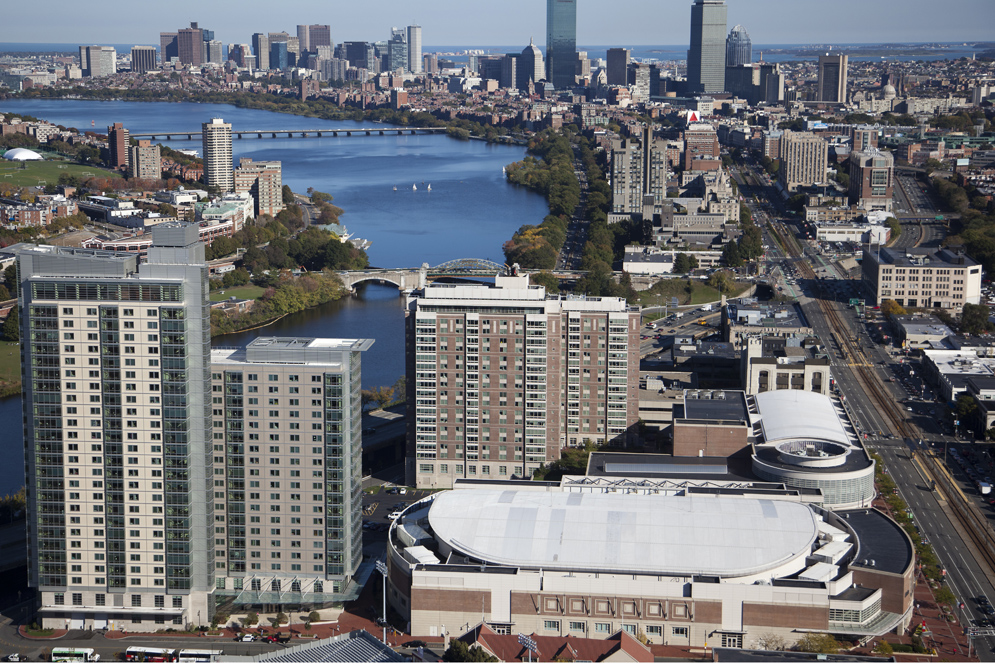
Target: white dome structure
[22,154]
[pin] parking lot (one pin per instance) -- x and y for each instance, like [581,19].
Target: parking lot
[378,506]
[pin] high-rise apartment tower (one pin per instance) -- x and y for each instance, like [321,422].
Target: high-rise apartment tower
[216,144]
[505,377]
[707,55]
[97,61]
[119,463]
[561,43]
[639,170]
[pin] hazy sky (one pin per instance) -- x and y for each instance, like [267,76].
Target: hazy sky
[500,22]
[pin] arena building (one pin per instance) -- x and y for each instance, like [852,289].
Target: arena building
[720,567]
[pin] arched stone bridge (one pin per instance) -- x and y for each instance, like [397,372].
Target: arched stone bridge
[409,279]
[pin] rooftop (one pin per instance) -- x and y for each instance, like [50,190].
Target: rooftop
[719,405]
[909,257]
[787,414]
[880,540]
[653,534]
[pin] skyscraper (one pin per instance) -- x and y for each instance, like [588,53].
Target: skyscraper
[97,61]
[414,49]
[279,57]
[142,59]
[302,37]
[190,45]
[707,55]
[216,137]
[119,459]
[264,181]
[530,66]
[739,48]
[168,48]
[318,35]
[505,377]
[832,78]
[561,43]
[117,144]
[618,66]
[260,47]
[397,50]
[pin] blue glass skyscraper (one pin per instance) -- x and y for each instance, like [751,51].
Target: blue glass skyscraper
[561,42]
[278,55]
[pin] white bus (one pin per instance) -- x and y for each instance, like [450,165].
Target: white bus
[74,655]
[200,655]
[140,654]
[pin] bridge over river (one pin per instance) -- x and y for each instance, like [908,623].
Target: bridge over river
[196,135]
[414,278]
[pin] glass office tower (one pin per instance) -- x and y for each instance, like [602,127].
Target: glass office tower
[707,55]
[561,42]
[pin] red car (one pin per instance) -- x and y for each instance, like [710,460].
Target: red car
[270,639]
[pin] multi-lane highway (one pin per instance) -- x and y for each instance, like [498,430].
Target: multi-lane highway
[956,548]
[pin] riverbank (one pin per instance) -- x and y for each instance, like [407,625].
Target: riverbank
[314,107]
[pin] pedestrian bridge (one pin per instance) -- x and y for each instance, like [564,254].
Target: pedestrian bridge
[196,135]
[409,279]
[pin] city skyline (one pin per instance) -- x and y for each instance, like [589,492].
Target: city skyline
[768,22]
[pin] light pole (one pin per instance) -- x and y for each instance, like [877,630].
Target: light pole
[382,568]
[528,643]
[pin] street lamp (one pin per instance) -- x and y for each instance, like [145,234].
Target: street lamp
[529,644]
[382,568]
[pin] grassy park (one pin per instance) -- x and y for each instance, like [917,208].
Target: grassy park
[248,292]
[686,291]
[35,173]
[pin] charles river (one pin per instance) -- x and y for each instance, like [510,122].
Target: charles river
[470,211]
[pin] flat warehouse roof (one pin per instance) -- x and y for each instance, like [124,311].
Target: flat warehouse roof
[632,533]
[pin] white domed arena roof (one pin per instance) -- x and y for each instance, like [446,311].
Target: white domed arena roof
[21,154]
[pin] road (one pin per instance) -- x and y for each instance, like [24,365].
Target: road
[966,577]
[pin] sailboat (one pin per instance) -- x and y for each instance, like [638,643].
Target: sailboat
[504,170]
[414,187]
[395,187]
[430,187]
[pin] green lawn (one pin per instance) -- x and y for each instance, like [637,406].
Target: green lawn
[10,361]
[37,173]
[241,292]
[664,290]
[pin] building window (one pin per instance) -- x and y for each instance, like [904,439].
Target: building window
[732,640]
[679,631]
[602,628]
[654,630]
[631,629]
[578,626]
[551,625]
[136,600]
[77,599]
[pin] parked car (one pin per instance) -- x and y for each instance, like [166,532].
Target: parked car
[393,516]
[417,643]
[246,637]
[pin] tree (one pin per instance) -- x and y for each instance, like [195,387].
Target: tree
[251,618]
[944,595]
[288,195]
[400,389]
[459,651]
[381,396]
[771,641]
[892,308]
[274,621]
[895,226]
[731,256]
[312,617]
[974,319]
[10,278]
[281,618]
[547,279]
[965,406]
[722,281]
[684,263]
[823,644]
[883,648]
[11,330]
[4,293]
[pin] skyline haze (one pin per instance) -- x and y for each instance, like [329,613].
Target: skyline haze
[444,23]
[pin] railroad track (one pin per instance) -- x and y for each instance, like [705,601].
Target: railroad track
[972,522]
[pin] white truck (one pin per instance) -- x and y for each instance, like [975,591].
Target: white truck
[985,488]
[706,307]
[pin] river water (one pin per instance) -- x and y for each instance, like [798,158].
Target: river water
[470,211]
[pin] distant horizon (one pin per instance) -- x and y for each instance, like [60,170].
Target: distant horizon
[446,22]
[580,46]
